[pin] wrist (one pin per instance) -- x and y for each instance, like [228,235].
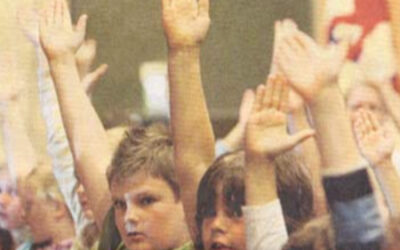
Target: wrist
[62,59]
[178,50]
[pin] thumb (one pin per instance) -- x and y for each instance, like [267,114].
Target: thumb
[301,136]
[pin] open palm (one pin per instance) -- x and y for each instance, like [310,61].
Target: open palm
[266,132]
[57,35]
[186,22]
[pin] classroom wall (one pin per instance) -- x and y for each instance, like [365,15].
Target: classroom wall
[235,56]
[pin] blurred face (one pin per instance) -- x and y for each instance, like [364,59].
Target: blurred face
[83,200]
[147,214]
[38,215]
[11,211]
[223,230]
[367,98]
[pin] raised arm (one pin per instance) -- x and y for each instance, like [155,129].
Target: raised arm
[186,24]
[86,135]
[313,74]
[267,137]
[376,144]
[20,154]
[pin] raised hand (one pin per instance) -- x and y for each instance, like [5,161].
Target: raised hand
[90,80]
[84,58]
[307,66]
[57,34]
[266,132]
[374,140]
[185,22]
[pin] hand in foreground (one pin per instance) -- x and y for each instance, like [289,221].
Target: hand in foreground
[266,132]
[374,140]
[307,66]
[58,37]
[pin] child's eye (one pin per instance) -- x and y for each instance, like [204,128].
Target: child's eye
[119,204]
[147,200]
[236,213]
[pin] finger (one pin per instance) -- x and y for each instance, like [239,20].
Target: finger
[81,26]
[295,45]
[276,96]
[269,91]
[372,120]
[284,99]
[204,7]
[91,79]
[66,14]
[58,12]
[259,98]
[363,124]
[247,102]
[51,11]
[300,136]
[306,41]
[367,121]
[165,4]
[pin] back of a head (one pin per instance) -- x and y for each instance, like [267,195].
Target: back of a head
[41,183]
[294,189]
[145,149]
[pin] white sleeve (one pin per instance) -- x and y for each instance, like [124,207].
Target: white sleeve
[265,226]
[58,145]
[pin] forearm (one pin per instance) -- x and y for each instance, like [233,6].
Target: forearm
[191,127]
[20,154]
[339,152]
[392,101]
[260,181]
[57,143]
[390,182]
[85,132]
[394,12]
[312,159]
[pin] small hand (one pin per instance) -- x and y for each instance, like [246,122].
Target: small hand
[57,35]
[374,140]
[266,132]
[307,66]
[185,22]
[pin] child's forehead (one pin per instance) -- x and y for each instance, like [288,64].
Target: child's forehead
[137,184]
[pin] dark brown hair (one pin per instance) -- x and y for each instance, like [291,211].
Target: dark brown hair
[293,184]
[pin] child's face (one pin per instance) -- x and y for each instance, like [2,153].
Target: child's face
[11,212]
[147,214]
[223,230]
[367,98]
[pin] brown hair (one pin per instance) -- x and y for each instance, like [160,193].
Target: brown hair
[41,183]
[294,189]
[316,234]
[147,149]
[293,183]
